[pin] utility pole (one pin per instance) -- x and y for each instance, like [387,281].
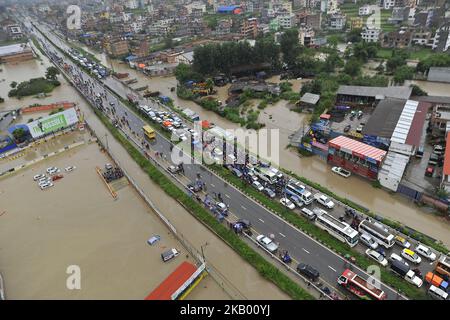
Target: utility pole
[203,254]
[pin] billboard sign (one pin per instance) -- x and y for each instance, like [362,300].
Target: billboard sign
[53,123]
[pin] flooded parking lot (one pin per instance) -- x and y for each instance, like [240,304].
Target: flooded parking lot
[77,222]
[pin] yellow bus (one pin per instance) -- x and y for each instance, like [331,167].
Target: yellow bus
[149,132]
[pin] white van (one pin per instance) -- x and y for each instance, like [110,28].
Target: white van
[306,197]
[437,293]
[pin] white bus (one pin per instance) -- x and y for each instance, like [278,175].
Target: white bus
[266,175]
[378,232]
[295,189]
[338,229]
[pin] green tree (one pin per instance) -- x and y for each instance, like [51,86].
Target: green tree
[2,100]
[13,84]
[354,35]
[434,60]
[51,73]
[353,67]
[290,47]
[417,91]
[19,135]
[184,72]
[394,62]
[403,73]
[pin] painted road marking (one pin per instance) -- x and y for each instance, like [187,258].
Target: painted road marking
[227,196]
[213,185]
[305,250]
[261,220]
[243,207]
[332,268]
[282,235]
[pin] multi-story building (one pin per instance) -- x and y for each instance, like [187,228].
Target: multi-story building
[397,39]
[116,47]
[14,31]
[364,11]
[336,21]
[422,37]
[388,4]
[306,35]
[223,27]
[286,20]
[15,53]
[356,23]
[249,28]
[371,34]
[441,40]
[311,19]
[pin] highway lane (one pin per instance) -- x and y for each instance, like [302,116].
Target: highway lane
[298,244]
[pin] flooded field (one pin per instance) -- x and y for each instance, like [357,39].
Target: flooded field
[355,188]
[77,222]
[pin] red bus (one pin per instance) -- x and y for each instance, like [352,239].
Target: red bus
[360,287]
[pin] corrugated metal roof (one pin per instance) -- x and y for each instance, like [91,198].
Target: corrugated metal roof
[404,122]
[355,147]
[439,74]
[416,131]
[310,98]
[394,165]
[399,92]
[383,120]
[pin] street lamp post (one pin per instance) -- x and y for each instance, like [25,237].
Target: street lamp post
[203,254]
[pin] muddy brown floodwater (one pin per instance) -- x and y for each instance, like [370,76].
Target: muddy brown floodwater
[77,222]
[355,188]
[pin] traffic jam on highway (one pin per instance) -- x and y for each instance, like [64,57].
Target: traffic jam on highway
[411,261]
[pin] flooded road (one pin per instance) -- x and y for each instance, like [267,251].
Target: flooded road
[355,188]
[432,88]
[234,271]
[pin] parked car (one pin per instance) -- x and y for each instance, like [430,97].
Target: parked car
[257,185]
[341,171]
[267,243]
[287,203]
[429,171]
[347,128]
[245,223]
[438,149]
[324,200]
[169,254]
[368,241]
[402,242]
[426,252]
[236,172]
[411,256]
[378,257]
[396,257]
[308,213]
[174,169]
[39,177]
[269,192]
[53,170]
[46,185]
[308,271]
[298,203]
[70,168]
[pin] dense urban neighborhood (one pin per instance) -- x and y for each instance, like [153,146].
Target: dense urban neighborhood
[225,149]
